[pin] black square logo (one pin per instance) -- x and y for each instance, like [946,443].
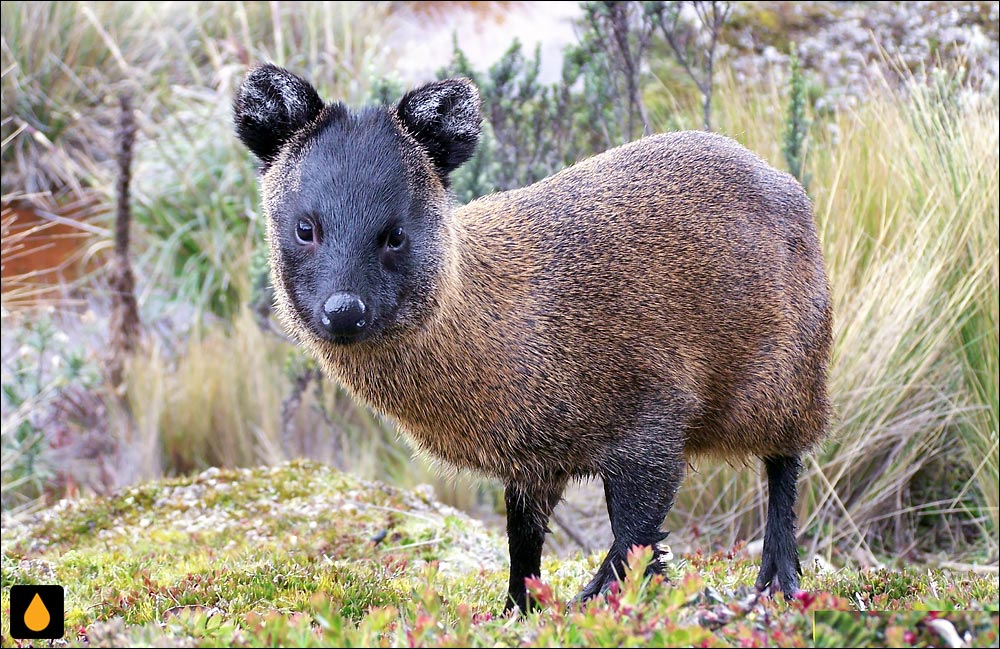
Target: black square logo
[36,612]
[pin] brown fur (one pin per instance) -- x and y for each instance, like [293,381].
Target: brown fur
[679,273]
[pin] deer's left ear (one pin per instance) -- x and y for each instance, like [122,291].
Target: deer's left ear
[445,117]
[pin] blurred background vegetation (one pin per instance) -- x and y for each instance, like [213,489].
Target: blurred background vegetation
[887,112]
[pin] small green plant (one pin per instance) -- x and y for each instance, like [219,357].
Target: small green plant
[37,375]
[533,130]
[526,135]
[796,122]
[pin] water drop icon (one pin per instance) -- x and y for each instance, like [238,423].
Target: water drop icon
[37,616]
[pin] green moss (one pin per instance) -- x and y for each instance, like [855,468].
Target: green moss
[301,555]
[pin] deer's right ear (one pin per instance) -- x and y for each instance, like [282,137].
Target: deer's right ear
[270,107]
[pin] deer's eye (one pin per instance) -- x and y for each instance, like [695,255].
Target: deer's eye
[395,239]
[305,231]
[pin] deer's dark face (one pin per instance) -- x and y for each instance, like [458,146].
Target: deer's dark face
[357,243]
[355,202]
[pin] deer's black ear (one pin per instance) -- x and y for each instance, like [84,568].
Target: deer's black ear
[271,105]
[445,117]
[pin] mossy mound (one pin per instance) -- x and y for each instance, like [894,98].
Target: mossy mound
[303,555]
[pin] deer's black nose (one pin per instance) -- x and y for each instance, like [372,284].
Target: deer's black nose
[344,315]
